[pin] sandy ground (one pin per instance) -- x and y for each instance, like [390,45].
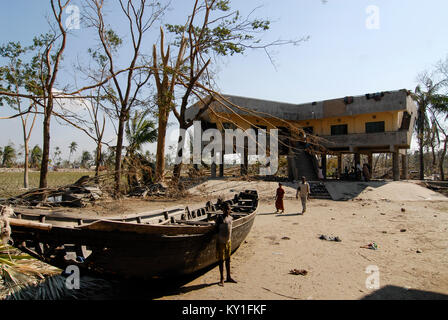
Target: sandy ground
[337,270]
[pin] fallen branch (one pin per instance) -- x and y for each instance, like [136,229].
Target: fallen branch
[282,295]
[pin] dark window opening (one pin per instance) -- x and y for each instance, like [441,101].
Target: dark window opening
[374,127]
[228,125]
[340,129]
[258,128]
[309,130]
[208,125]
[406,122]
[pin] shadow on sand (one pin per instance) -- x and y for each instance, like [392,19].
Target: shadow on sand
[347,190]
[108,288]
[400,293]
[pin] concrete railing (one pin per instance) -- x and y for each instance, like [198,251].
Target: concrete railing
[395,138]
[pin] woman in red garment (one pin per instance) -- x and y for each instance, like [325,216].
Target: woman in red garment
[279,199]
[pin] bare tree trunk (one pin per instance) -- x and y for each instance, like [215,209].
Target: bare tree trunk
[179,154]
[434,159]
[176,171]
[26,165]
[45,147]
[160,155]
[98,159]
[420,142]
[118,155]
[442,160]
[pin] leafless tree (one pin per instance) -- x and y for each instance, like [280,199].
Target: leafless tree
[211,30]
[126,88]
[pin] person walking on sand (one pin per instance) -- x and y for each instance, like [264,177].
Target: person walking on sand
[223,243]
[304,189]
[279,205]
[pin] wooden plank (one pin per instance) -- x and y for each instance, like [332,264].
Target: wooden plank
[200,223]
[104,225]
[29,224]
[51,213]
[242,207]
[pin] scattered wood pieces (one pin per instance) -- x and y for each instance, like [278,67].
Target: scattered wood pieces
[298,272]
[330,238]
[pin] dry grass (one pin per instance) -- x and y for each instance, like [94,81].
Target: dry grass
[11,183]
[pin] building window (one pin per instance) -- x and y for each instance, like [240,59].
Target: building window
[374,127]
[339,129]
[260,128]
[230,126]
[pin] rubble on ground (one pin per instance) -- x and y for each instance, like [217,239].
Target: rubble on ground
[78,194]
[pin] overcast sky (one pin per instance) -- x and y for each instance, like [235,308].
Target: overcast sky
[355,47]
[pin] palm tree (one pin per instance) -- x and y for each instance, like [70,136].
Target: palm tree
[9,154]
[439,133]
[426,98]
[57,156]
[36,156]
[139,131]
[85,158]
[72,147]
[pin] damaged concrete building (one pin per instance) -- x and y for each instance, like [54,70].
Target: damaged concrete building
[359,125]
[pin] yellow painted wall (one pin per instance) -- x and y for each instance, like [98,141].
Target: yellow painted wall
[322,127]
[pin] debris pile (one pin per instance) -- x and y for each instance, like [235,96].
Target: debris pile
[78,194]
[439,186]
[5,229]
[156,189]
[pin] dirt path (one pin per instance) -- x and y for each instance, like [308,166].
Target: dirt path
[336,270]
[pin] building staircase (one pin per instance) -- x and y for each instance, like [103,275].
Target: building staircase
[302,164]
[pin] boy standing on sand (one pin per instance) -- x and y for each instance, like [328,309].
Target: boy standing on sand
[304,189]
[223,243]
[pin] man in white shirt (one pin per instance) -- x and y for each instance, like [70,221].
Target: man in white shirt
[304,189]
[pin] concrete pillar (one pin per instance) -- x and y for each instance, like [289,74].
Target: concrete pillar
[213,166]
[396,165]
[221,167]
[244,160]
[370,163]
[291,176]
[339,166]
[324,165]
[357,158]
[357,161]
[404,165]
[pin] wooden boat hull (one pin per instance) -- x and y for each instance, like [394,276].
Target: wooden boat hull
[135,250]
